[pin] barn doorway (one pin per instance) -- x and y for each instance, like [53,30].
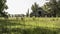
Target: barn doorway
[39,13]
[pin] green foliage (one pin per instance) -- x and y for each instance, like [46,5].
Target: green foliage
[52,7]
[34,7]
[2,7]
[27,14]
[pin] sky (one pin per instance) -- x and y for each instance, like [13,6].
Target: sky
[21,6]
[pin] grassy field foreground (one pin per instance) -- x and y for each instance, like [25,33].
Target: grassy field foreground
[30,25]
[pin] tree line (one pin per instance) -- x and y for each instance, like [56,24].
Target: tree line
[49,9]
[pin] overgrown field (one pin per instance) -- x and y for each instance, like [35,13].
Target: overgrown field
[30,25]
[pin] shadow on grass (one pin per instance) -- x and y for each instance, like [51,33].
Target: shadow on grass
[37,30]
[9,23]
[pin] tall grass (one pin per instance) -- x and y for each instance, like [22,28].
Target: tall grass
[30,25]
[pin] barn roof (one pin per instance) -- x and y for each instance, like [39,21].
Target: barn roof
[41,10]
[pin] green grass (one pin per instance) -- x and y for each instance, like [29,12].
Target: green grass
[30,25]
[41,22]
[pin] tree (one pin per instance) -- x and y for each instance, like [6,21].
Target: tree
[27,14]
[3,7]
[58,3]
[52,7]
[34,8]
